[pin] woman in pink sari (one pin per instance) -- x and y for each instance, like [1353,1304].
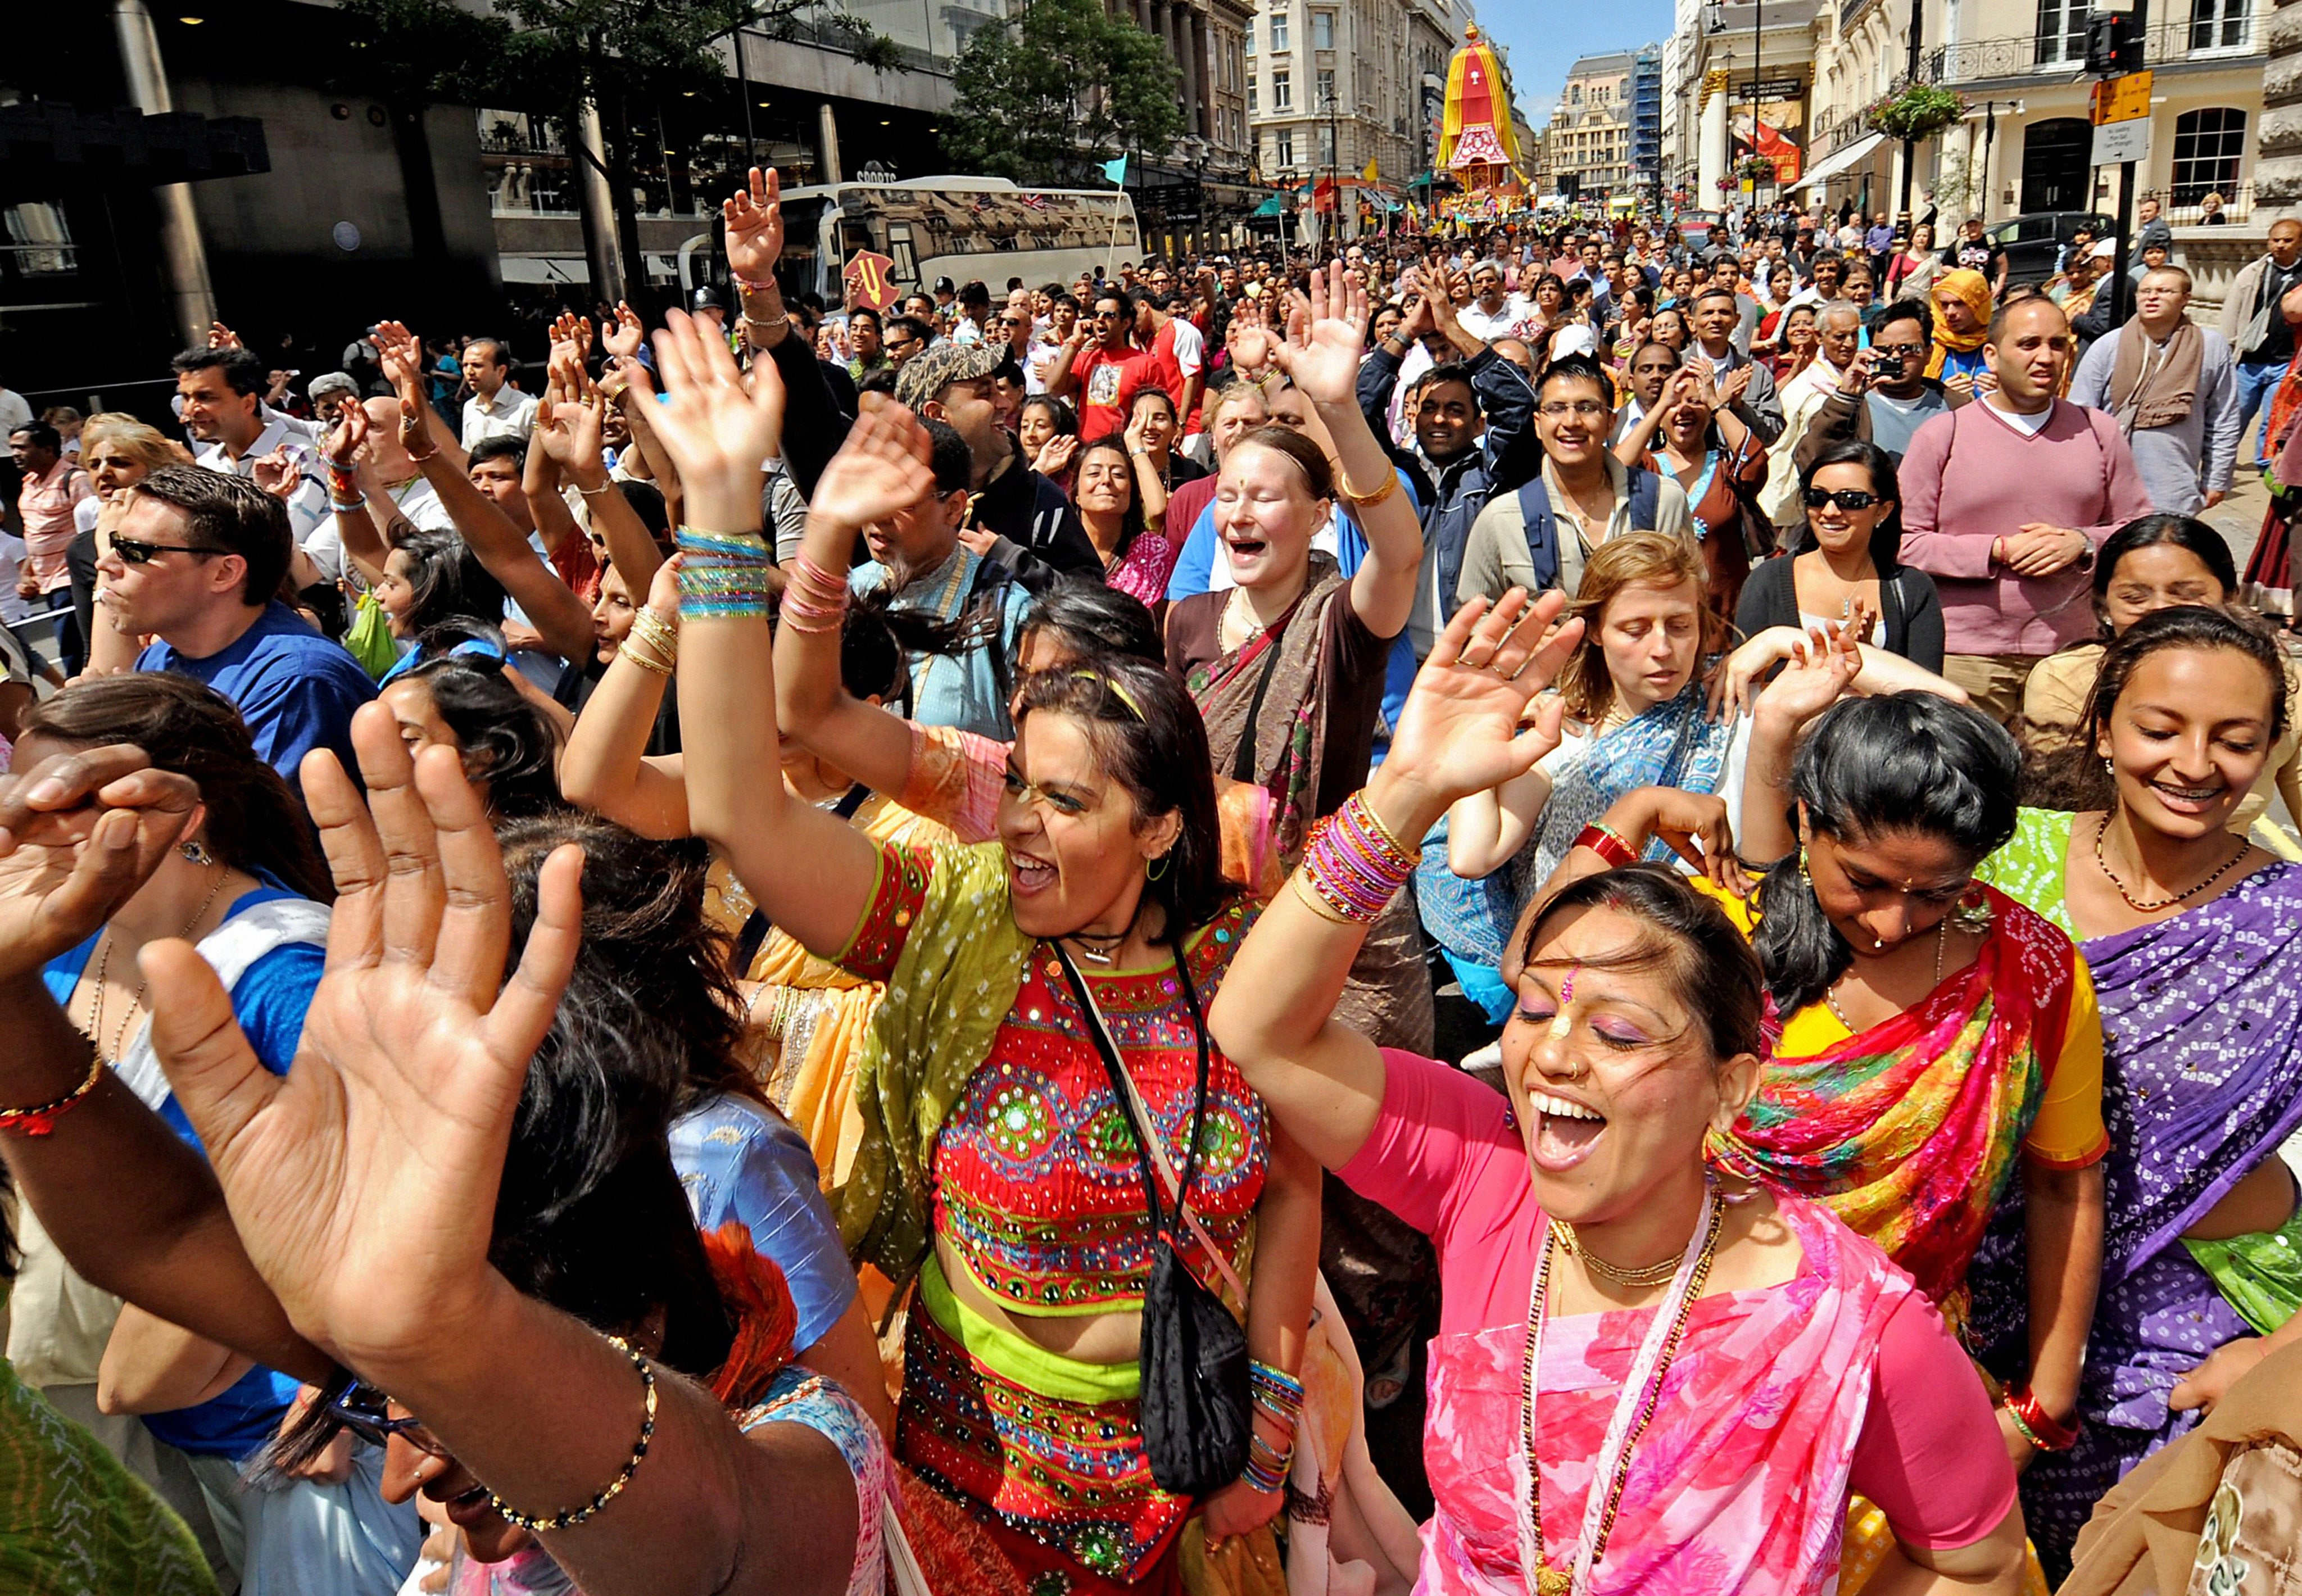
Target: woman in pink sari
[1647,1378]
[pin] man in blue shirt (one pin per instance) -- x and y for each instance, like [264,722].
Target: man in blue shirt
[195,564]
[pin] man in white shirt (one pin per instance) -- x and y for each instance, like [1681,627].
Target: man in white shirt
[1838,327]
[220,393]
[496,410]
[1492,313]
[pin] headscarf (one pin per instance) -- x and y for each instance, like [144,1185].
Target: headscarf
[1975,289]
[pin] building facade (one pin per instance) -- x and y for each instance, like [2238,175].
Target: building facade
[1335,85]
[1646,118]
[2025,144]
[1753,65]
[1590,135]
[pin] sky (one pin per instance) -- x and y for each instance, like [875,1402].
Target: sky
[1544,37]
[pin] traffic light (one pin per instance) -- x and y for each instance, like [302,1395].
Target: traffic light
[2113,44]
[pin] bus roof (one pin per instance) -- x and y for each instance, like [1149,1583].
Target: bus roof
[953,181]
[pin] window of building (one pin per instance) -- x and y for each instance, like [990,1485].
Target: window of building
[1278,29]
[1323,29]
[1250,38]
[1250,93]
[1283,146]
[2221,24]
[1326,87]
[1282,91]
[2062,31]
[1574,94]
[2208,146]
[1326,146]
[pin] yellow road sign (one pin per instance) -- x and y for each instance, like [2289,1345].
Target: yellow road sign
[2121,99]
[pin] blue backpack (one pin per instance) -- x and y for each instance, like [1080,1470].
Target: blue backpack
[1542,525]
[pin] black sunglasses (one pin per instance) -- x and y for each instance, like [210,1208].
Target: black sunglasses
[133,553]
[365,1411]
[1846,499]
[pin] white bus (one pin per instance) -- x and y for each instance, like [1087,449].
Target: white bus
[957,227]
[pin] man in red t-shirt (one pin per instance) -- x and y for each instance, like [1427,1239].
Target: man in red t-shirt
[1100,368]
[1178,350]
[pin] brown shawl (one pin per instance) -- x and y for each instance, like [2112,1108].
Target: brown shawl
[2147,390]
[1272,688]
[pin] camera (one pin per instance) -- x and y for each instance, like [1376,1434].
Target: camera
[1888,364]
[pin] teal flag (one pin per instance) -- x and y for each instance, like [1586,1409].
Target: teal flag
[1115,172]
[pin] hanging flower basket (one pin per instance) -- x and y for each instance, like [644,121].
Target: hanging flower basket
[1918,111]
[1756,169]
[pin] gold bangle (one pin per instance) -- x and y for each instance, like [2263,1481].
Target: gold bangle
[568,1517]
[1367,501]
[625,651]
[1319,906]
[656,633]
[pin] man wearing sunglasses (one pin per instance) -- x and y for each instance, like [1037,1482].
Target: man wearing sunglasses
[194,564]
[1100,368]
[1886,395]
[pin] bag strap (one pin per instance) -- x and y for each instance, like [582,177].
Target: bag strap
[1143,1127]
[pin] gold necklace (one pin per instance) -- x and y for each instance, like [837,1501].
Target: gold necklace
[104,963]
[1645,1279]
[2102,863]
[1829,993]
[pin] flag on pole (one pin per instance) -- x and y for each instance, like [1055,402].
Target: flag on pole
[1115,172]
[1368,175]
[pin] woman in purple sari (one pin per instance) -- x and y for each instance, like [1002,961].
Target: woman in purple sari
[2194,939]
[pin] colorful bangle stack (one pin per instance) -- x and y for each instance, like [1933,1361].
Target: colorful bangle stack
[1608,844]
[1354,866]
[1279,1397]
[2040,1428]
[653,644]
[343,491]
[814,599]
[723,576]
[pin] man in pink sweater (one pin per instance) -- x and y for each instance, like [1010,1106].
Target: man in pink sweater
[2004,502]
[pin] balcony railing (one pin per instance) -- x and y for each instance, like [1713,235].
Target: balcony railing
[2237,205]
[2063,54]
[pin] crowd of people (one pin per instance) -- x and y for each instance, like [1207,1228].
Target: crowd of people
[1552,913]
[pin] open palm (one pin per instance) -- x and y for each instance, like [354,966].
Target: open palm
[1465,726]
[753,216]
[362,1184]
[718,425]
[104,821]
[882,468]
[1326,341]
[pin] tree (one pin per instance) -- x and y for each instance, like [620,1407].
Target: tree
[556,57]
[1048,96]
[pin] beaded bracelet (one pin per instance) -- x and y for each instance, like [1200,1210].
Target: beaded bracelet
[568,1517]
[40,1119]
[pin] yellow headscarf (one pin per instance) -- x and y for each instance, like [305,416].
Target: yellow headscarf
[1974,289]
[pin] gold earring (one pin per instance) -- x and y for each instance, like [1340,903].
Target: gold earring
[1158,868]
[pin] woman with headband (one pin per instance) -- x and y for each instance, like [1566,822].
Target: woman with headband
[1648,1377]
[1043,1008]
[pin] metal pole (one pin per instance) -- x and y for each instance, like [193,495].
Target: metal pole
[1910,145]
[2121,284]
[183,254]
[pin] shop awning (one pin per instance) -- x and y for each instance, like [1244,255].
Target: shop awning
[531,268]
[1842,161]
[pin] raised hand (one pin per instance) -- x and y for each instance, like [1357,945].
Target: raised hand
[622,338]
[568,431]
[344,441]
[415,431]
[719,432]
[362,1184]
[400,353]
[1821,668]
[571,339]
[1056,455]
[1466,727]
[1730,386]
[882,468]
[221,337]
[80,833]
[1326,337]
[279,474]
[753,219]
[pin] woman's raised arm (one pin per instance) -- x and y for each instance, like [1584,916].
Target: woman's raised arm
[605,767]
[1459,734]
[811,872]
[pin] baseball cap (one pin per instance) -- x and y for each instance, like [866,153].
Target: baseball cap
[927,374]
[2105,248]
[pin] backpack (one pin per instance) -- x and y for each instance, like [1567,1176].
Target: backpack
[1543,524]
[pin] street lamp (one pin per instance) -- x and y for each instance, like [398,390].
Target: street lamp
[1333,105]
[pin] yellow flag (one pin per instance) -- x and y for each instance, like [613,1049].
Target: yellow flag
[1368,175]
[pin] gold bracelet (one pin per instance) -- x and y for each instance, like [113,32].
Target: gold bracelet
[1319,906]
[1367,501]
[657,633]
[568,1517]
[625,651]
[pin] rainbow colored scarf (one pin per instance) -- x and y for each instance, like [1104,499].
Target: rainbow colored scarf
[1908,1131]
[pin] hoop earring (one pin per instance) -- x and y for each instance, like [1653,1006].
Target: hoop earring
[196,851]
[1158,868]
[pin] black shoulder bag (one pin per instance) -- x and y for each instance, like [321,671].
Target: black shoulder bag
[1195,1404]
